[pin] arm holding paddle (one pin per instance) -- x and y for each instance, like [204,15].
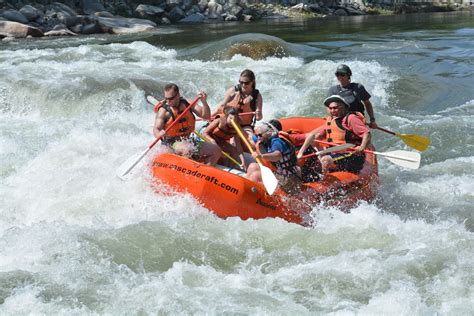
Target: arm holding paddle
[310,137]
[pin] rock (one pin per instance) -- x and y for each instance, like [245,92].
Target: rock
[193,18]
[92,6]
[236,10]
[145,10]
[202,5]
[247,18]
[300,7]
[230,17]
[60,30]
[62,8]
[120,25]
[340,12]
[15,29]
[31,13]
[104,14]
[176,14]
[15,16]
[165,21]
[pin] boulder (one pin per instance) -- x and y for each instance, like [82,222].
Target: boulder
[120,25]
[15,16]
[92,6]
[176,14]
[193,18]
[145,10]
[60,30]
[31,13]
[15,29]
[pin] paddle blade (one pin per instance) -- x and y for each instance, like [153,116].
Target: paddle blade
[417,142]
[403,158]
[335,148]
[128,165]
[269,180]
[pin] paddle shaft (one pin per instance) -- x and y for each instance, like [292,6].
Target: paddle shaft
[129,168]
[223,152]
[373,152]
[240,114]
[386,130]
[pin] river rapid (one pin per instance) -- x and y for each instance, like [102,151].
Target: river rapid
[74,239]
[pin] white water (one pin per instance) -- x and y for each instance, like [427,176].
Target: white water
[74,239]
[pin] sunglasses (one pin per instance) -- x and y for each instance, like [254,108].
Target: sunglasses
[245,82]
[261,134]
[340,74]
[171,98]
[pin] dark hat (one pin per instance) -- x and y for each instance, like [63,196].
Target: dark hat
[343,69]
[335,98]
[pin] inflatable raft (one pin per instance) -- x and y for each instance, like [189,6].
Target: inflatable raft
[227,193]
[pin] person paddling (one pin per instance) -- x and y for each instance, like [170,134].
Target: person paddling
[220,131]
[245,98]
[353,93]
[341,127]
[280,153]
[178,139]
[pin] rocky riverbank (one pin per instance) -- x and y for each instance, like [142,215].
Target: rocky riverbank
[19,18]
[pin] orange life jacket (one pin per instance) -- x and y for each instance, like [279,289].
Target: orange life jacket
[185,126]
[336,133]
[238,103]
[221,135]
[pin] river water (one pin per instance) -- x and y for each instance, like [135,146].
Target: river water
[74,239]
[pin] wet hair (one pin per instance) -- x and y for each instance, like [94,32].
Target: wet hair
[247,73]
[230,110]
[275,124]
[172,86]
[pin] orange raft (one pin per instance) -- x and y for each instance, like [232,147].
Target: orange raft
[227,193]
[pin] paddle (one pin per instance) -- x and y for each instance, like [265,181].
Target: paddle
[329,150]
[417,142]
[128,165]
[213,117]
[269,180]
[403,158]
[223,152]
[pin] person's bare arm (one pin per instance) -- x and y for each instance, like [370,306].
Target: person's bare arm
[203,111]
[228,96]
[370,111]
[207,132]
[310,137]
[160,121]
[259,110]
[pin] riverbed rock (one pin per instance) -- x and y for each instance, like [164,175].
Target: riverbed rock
[193,18]
[31,13]
[15,16]
[60,30]
[18,30]
[149,11]
[121,25]
[92,6]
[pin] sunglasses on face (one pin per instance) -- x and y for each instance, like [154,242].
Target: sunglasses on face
[339,74]
[245,82]
[261,134]
[171,98]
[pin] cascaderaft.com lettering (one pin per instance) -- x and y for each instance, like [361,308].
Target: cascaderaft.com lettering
[197,174]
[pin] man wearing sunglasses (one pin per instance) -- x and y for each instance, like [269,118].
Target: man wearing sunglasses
[178,138]
[277,153]
[341,127]
[354,93]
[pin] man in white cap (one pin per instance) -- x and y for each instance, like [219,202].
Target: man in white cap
[341,127]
